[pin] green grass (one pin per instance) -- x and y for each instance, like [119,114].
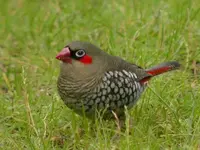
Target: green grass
[32,116]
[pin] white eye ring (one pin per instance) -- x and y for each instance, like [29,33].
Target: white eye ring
[80,53]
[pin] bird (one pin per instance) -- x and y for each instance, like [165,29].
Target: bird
[92,82]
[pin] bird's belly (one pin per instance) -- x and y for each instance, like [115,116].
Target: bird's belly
[105,100]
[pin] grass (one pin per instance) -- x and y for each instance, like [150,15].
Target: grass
[32,116]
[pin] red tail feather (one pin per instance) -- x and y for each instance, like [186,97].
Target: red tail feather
[159,69]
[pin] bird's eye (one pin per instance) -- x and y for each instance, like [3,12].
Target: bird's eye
[80,53]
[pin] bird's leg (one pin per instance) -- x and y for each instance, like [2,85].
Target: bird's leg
[123,122]
[119,120]
[120,123]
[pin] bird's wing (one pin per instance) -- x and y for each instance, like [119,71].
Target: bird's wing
[137,70]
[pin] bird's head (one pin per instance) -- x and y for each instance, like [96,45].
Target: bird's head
[82,52]
[82,57]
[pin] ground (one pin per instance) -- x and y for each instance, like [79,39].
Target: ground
[32,116]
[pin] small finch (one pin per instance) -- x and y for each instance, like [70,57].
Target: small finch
[93,81]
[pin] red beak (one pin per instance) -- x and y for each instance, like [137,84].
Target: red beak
[64,55]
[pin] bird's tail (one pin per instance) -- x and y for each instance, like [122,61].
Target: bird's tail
[160,69]
[163,67]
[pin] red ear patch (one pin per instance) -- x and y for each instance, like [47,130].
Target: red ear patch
[86,59]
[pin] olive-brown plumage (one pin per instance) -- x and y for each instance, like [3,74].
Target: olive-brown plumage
[93,81]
